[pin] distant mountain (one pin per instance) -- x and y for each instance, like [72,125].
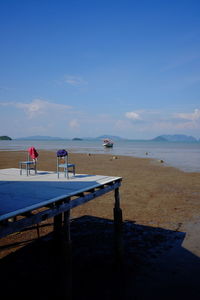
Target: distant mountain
[51,138]
[77,139]
[40,138]
[112,137]
[159,139]
[174,138]
[5,138]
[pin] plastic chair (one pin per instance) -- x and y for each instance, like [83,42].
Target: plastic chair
[62,163]
[29,164]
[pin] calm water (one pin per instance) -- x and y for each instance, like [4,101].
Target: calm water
[185,156]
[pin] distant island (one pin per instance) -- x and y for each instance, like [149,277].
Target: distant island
[174,138]
[160,138]
[51,138]
[5,138]
[105,136]
[40,138]
[112,137]
[77,139]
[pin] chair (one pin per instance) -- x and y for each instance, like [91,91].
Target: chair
[62,163]
[29,164]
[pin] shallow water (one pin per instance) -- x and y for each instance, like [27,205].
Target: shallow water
[185,156]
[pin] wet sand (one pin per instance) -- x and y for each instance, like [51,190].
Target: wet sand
[151,193]
[161,207]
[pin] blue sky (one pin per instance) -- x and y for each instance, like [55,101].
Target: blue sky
[86,68]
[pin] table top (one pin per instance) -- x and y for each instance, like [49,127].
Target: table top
[20,193]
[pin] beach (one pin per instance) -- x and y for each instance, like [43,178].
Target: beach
[152,196]
[150,192]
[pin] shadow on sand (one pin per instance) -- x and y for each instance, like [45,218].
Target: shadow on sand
[155,265]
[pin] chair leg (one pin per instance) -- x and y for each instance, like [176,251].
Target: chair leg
[57,171]
[20,165]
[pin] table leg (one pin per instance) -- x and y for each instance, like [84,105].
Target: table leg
[118,228]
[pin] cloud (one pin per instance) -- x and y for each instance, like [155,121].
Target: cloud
[189,116]
[133,115]
[178,121]
[37,117]
[41,116]
[34,108]
[143,115]
[161,122]
[75,80]
[74,124]
[37,107]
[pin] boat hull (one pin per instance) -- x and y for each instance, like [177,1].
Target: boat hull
[108,145]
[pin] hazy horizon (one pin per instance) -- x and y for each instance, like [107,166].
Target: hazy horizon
[38,137]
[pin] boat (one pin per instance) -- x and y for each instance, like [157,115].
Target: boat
[108,143]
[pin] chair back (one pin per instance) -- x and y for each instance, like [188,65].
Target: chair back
[62,153]
[32,153]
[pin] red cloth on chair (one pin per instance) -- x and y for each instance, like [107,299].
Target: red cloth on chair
[33,153]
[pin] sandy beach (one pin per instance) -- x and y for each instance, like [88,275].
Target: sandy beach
[154,198]
[151,193]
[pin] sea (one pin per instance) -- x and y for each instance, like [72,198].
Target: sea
[182,155]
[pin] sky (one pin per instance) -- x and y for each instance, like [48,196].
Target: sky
[83,68]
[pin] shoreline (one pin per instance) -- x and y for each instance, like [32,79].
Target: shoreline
[184,156]
[153,160]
